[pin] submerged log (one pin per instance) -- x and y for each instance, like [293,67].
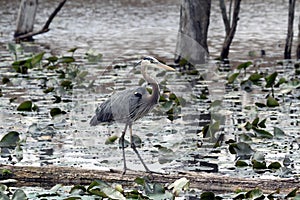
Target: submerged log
[52,175]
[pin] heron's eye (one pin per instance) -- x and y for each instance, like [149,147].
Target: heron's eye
[138,94]
[150,59]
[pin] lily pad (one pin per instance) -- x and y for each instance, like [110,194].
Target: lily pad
[293,193]
[260,105]
[241,163]
[244,65]
[19,194]
[179,185]
[254,194]
[112,193]
[52,59]
[207,196]
[262,133]
[67,84]
[233,77]
[78,189]
[278,132]
[271,79]
[56,111]
[25,106]
[111,139]
[271,102]
[37,59]
[255,122]
[66,59]
[274,165]
[262,123]
[10,139]
[255,77]
[241,149]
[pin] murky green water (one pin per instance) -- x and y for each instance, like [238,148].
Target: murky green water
[113,30]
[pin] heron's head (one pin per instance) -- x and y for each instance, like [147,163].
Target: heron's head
[149,61]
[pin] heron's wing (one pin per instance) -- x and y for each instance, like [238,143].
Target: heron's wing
[125,106]
[140,104]
[103,113]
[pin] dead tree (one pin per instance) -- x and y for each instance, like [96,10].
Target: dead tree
[230,24]
[193,27]
[25,16]
[298,46]
[290,34]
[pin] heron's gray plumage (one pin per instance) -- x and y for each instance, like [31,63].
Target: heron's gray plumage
[126,106]
[130,105]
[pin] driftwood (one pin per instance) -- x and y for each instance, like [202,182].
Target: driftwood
[45,27]
[52,175]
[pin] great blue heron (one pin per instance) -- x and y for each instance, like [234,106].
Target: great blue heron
[130,105]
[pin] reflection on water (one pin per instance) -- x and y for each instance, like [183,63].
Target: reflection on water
[122,31]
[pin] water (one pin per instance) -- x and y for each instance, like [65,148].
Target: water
[122,32]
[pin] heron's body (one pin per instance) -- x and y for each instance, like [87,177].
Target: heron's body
[130,105]
[133,107]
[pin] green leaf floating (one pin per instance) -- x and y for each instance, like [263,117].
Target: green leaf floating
[207,196]
[111,139]
[278,132]
[262,123]
[262,133]
[293,193]
[66,59]
[271,79]
[255,77]
[25,106]
[271,102]
[10,139]
[274,165]
[19,194]
[37,59]
[232,78]
[241,163]
[56,111]
[244,65]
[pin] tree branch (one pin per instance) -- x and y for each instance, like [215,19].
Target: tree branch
[224,16]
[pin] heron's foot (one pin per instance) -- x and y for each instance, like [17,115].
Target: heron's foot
[124,171]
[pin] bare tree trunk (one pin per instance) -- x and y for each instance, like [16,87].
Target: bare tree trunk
[26,17]
[30,34]
[230,29]
[290,34]
[298,46]
[193,28]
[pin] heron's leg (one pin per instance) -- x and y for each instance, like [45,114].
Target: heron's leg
[123,147]
[136,151]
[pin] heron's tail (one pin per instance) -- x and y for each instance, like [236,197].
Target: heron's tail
[94,121]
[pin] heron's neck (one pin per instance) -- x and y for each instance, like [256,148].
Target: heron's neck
[155,88]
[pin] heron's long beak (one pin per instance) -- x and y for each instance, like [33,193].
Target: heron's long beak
[163,66]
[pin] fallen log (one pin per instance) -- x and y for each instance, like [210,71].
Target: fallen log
[51,175]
